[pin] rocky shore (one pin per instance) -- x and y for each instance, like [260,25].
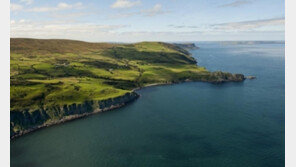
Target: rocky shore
[44,117]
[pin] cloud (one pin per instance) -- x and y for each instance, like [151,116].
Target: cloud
[125,4]
[60,6]
[22,21]
[182,26]
[15,7]
[27,25]
[249,25]
[61,29]
[236,3]
[118,33]
[274,24]
[27,2]
[63,5]
[124,15]
[72,15]
[155,10]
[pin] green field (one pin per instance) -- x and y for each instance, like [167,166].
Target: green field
[48,73]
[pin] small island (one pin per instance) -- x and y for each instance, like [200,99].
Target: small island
[53,81]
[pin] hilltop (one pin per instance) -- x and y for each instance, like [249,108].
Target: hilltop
[57,80]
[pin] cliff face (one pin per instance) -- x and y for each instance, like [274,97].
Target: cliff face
[22,122]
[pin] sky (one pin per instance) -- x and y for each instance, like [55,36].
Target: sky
[148,20]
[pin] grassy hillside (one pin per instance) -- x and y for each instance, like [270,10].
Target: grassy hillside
[49,73]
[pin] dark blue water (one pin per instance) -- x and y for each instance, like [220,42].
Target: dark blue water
[189,124]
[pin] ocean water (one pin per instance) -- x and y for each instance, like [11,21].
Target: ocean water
[188,124]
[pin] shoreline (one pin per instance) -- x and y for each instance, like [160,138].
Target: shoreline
[96,111]
[79,116]
[70,118]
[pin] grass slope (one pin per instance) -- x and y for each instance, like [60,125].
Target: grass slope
[56,72]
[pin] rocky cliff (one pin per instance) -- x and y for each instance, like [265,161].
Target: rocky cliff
[220,77]
[22,122]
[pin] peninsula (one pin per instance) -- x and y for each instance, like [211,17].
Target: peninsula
[53,81]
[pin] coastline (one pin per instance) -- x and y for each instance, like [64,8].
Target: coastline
[98,110]
[100,107]
[78,116]
[71,118]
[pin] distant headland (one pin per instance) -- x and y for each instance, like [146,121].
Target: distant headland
[186,45]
